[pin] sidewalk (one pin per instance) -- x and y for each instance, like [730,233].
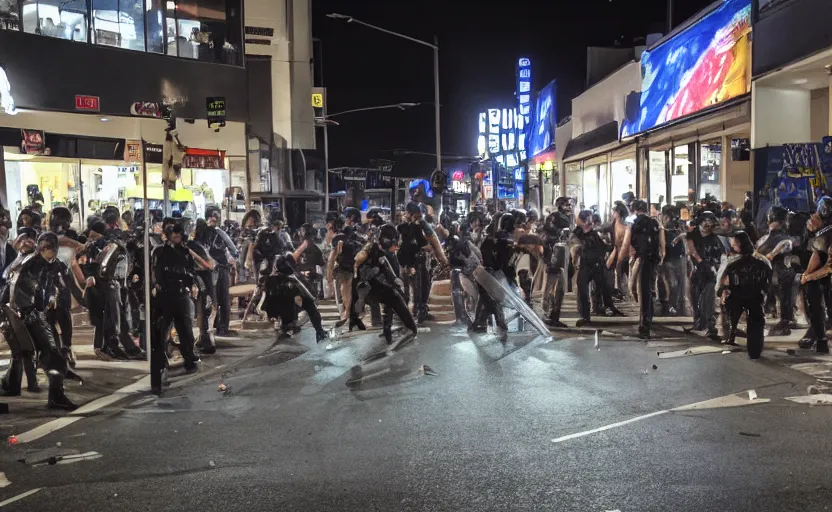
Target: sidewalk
[106,378]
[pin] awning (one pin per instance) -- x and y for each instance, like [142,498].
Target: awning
[592,142]
[735,117]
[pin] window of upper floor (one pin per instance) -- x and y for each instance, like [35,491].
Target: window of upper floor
[206,30]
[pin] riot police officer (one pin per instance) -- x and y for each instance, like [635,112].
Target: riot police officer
[593,253]
[818,271]
[705,250]
[555,234]
[173,279]
[219,247]
[417,238]
[672,279]
[378,269]
[775,246]
[647,240]
[743,283]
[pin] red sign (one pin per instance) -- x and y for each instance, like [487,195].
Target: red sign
[88,103]
[458,176]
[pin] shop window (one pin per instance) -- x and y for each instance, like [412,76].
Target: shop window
[680,175]
[10,15]
[64,19]
[623,180]
[574,182]
[202,30]
[590,185]
[657,182]
[57,182]
[604,190]
[118,23]
[154,21]
[710,164]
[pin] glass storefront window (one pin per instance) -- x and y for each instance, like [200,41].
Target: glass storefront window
[710,165]
[574,182]
[590,197]
[680,175]
[604,190]
[657,181]
[199,29]
[56,181]
[155,25]
[64,19]
[623,178]
[10,15]
[118,23]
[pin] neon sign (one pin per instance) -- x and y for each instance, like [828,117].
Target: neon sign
[524,101]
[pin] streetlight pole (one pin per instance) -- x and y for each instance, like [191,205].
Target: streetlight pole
[435,47]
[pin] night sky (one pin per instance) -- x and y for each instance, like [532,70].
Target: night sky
[479,44]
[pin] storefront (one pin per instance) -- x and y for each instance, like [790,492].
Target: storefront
[791,107]
[544,179]
[687,116]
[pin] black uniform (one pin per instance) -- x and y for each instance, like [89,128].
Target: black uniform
[219,246]
[645,240]
[414,261]
[672,276]
[748,279]
[110,282]
[703,280]
[173,277]
[783,277]
[497,250]
[281,287]
[594,251]
[555,254]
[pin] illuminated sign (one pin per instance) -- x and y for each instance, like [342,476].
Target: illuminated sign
[458,176]
[318,100]
[6,100]
[542,129]
[524,102]
[702,66]
[87,103]
[497,132]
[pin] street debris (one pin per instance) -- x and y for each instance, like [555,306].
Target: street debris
[695,351]
[318,368]
[597,341]
[12,440]
[4,482]
[655,367]
[816,390]
[211,463]
[222,388]
[427,370]
[750,434]
[726,352]
[815,399]
[60,460]
[752,395]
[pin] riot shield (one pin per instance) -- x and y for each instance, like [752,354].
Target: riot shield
[499,290]
[22,341]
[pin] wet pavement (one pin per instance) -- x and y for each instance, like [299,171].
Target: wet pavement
[450,422]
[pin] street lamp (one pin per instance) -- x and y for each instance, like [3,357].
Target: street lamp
[326,120]
[435,47]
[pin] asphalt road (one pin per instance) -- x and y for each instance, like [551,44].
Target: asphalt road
[323,432]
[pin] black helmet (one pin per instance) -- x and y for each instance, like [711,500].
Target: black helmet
[746,247]
[110,215]
[374,216]
[252,215]
[533,216]
[706,215]
[563,203]
[712,206]
[213,211]
[48,240]
[96,224]
[388,236]
[825,208]
[332,217]
[640,206]
[621,209]
[596,219]
[353,214]
[671,211]
[585,216]
[507,223]
[275,217]
[414,207]
[60,219]
[520,217]
[777,214]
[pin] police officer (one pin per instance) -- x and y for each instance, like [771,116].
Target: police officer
[646,240]
[377,267]
[417,238]
[219,246]
[775,246]
[705,250]
[345,245]
[497,251]
[555,234]
[173,281]
[593,253]
[817,273]
[743,283]
[672,280]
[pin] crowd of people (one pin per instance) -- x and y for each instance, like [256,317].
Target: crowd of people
[708,261]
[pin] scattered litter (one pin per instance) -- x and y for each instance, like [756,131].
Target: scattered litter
[427,370]
[200,423]
[330,346]
[616,510]
[4,482]
[317,367]
[726,352]
[752,395]
[695,351]
[750,434]
[67,459]
[211,463]
[222,387]
[115,495]
[818,399]
[58,444]
[12,439]
[424,329]
[816,390]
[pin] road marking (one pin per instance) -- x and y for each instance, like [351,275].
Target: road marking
[19,497]
[4,482]
[608,427]
[57,424]
[734,400]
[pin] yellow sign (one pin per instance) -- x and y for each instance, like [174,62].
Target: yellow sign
[318,100]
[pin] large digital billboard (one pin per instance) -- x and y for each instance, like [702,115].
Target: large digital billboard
[544,120]
[704,65]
